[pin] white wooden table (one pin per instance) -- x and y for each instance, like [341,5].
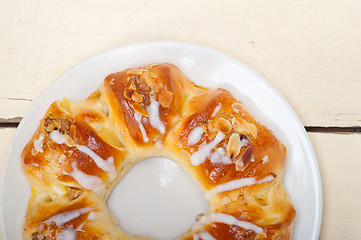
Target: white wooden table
[309,50]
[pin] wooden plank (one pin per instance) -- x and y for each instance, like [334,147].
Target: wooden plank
[6,137]
[338,157]
[309,50]
[5,140]
[339,160]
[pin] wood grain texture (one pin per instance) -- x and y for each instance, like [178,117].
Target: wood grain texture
[338,155]
[6,137]
[309,50]
[5,140]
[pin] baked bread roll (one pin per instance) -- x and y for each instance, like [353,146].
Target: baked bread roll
[81,150]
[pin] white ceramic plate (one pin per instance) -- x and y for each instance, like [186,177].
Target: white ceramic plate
[205,67]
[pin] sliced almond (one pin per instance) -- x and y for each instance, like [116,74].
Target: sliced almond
[223,125]
[140,109]
[69,141]
[66,105]
[238,128]
[247,155]
[135,71]
[234,145]
[212,125]
[137,97]
[224,115]
[72,131]
[244,158]
[237,107]
[166,98]
[240,125]
[74,193]
[128,93]
[261,235]
[252,129]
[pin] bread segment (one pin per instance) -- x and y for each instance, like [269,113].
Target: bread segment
[81,150]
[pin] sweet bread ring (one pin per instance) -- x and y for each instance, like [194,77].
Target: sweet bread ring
[81,150]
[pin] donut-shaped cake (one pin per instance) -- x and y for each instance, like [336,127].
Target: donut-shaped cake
[81,150]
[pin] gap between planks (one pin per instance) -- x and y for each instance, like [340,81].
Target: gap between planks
[14,122]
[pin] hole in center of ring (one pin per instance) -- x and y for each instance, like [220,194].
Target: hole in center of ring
[157,198]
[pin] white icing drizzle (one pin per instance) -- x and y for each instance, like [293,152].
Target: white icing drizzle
[66,234]
[105,165]
[62,218]
[92,216]
[138,117]
[158,144]
[195,135]
[154,118]
[230,220]
[89,182]
[238,183]
[269,178]
[265,159]
[216,109]
[220,156]
[80,227]
[57,137]
[244,142]
[203,220]
[205,235]
[201,155]
[38,143]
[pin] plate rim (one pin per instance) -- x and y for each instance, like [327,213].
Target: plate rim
[161,43]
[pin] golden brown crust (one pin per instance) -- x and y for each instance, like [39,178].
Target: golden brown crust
[51,164]
[81,150]
[88,210]
[266,204]
[162,85]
